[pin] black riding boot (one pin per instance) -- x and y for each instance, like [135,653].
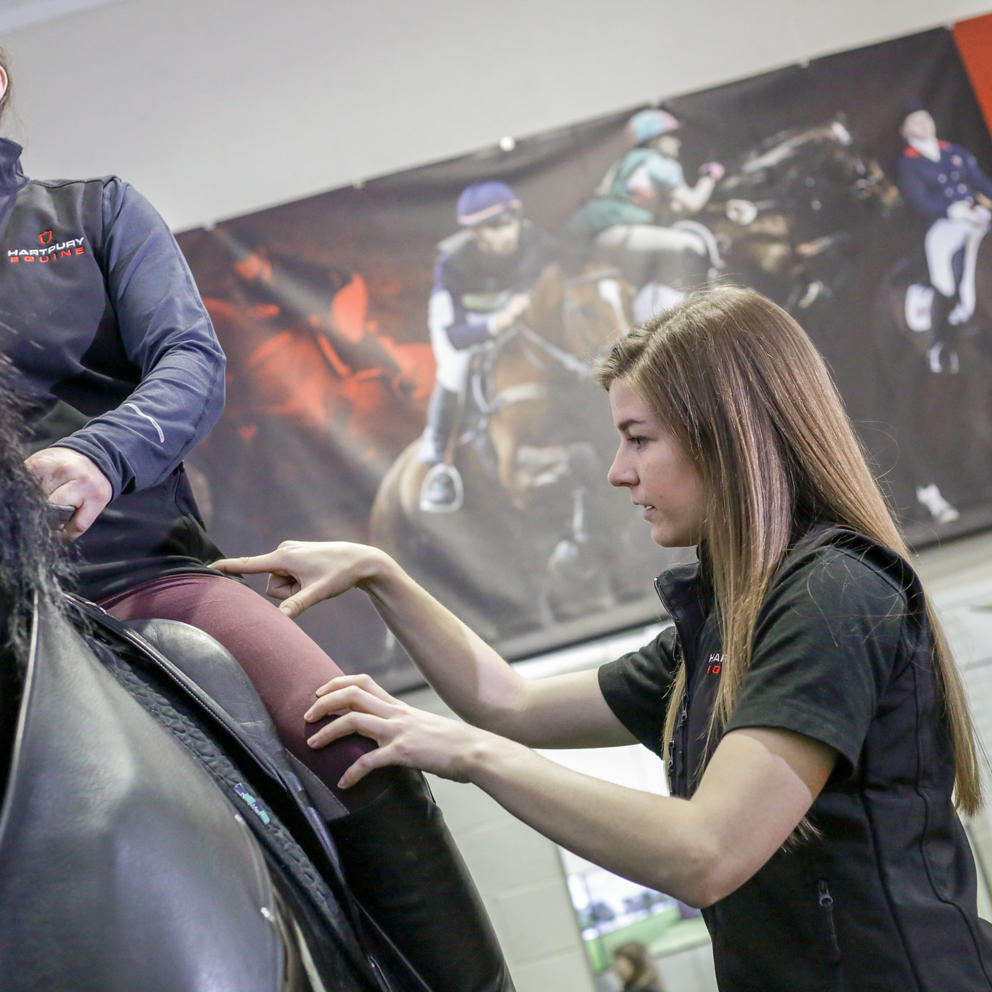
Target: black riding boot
[440,491]
[941,355]
[441,410]
[403,867]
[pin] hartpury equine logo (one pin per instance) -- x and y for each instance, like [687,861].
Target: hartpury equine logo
[51,250]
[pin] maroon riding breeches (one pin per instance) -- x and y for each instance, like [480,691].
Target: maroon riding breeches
[283,663]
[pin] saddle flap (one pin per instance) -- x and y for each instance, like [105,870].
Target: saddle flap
[214,669]
[122,865]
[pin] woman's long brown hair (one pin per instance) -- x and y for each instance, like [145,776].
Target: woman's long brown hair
[746,393]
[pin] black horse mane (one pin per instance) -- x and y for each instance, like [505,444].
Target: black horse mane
[33,563]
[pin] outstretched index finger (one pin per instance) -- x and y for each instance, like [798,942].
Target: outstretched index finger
[247,565]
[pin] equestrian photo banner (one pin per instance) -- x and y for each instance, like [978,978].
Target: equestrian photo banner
[798,182]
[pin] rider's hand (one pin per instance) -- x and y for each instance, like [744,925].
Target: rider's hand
[302,573]
[405,735]
[69,478]
[714,170]
[969,212]
[981,216]
[504,319]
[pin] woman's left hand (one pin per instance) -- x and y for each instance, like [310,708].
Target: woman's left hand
[405,735]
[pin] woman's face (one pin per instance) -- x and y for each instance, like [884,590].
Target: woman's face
[658,472]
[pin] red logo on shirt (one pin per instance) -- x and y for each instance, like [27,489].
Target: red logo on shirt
[46,237]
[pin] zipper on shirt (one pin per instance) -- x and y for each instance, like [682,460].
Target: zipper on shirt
[678,746]
[826,901]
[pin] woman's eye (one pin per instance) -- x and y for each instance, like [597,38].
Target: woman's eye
[636,441]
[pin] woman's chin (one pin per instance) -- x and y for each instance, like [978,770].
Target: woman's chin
[667,537]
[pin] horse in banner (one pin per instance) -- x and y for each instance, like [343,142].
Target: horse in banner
[532,520]
[934,404]
[785,214]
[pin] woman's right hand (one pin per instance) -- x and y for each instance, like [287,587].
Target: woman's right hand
[302,573]
[404,734]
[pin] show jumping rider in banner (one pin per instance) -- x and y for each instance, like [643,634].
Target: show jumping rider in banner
[482,280]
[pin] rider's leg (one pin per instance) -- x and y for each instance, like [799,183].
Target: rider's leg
[969,263]
[395,850]
[284,664]
[649,238]
[941,355]
[677,257]
[441,409]
[943,241]
[439,490]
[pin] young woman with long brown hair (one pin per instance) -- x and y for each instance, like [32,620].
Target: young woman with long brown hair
[815,732]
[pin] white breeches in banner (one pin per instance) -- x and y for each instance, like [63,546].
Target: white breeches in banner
[649,238]
[944,240]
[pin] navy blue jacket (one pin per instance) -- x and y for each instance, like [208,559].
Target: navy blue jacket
[931,187]
[117,357]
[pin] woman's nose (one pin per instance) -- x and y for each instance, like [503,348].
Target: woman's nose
[619,473]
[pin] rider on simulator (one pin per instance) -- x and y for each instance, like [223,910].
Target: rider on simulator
[945,185]
[482,280]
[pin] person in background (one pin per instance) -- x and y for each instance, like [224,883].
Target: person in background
[636,968]
[804,703]
[122,375]
[482,280]
[945,185]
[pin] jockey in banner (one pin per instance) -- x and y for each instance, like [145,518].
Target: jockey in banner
[646,192]
[482,279]
[944,183]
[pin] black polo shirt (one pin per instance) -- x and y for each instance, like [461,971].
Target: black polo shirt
[884,898]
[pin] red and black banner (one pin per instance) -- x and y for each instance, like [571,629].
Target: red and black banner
[322,308]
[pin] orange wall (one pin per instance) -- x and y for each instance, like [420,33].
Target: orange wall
[974,40]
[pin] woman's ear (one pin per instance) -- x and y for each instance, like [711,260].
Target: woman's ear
[3,82]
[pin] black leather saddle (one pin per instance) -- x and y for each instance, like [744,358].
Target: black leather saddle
[155,834]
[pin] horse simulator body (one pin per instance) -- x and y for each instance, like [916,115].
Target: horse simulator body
[155,834]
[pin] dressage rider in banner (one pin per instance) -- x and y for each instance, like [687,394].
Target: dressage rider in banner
[944,184]
[482,281]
